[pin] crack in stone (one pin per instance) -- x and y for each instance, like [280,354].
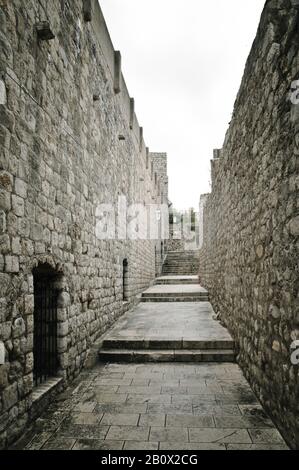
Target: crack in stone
[224,437]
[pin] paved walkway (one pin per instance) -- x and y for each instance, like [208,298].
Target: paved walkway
[178,321]
[167,406]
[176,289]
[156,406]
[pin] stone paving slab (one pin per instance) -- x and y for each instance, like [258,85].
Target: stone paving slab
[182,322]
[173,289]
[177,278]
[130,355]
[173,299]
[188,415]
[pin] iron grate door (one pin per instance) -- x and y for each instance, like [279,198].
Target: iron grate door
[45,330]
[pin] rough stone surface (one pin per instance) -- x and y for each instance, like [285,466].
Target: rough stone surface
[176,323]
[177,417]
[61,156]
[249,259]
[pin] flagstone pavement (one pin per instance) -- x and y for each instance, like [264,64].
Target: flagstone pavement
[204,406]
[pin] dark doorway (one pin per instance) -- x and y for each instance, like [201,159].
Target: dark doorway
[45,323]
[125,280]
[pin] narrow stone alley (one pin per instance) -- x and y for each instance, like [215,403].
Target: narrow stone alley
[166,379]
[148,280]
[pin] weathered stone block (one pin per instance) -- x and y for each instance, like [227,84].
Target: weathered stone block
[274,311]
[63,328]
[18,327]
[64,300]
[25,385]
[4,137]
[62,314]
[6,330]
[36,232]
[4,421]
[6,180]
[294,226]
[5,203]
[17,205]
[4,376]
[10,396]
[5,282]
[2,222]
[16,246]
[3,97]
[12,264]
[29,343]
[29,363]
[21,188]
[7,118]
[64,360]
[4,244]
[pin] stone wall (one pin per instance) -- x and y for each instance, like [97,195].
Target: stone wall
[249,260]
[160,168]
[158,163]
[202,203]
[69,141]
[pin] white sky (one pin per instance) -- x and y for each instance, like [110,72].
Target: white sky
[183,61]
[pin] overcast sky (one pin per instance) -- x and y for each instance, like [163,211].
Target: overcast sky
[183,61]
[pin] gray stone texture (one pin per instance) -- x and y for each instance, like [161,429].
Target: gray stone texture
[131,426]
[249,258]
[61,156]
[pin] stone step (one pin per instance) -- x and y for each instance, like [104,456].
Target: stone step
[166,273]
[167,344]
[182,254]
[181,268]
[199,298]
[182,272]
[178,273]
[178,264]
[179,293]
[181,259]
[135,355]
[184,268]
[173,281]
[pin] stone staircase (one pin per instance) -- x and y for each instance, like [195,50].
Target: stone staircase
[133,352]
[181,262]
[175,293]
[159,332]
[176,289]
[176,280]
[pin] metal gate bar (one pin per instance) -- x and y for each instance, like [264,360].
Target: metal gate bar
[45,329]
